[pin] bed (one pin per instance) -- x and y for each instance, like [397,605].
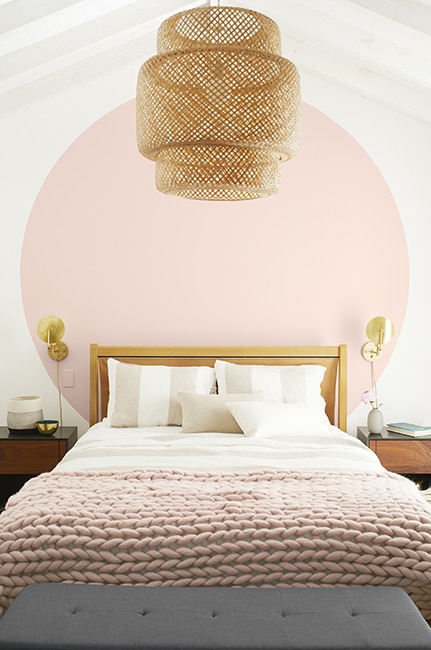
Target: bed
[221,466]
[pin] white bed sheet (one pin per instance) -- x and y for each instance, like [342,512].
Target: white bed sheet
[103,447]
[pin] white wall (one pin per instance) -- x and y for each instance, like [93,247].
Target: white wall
[33,138]
[401,148]
[31,141]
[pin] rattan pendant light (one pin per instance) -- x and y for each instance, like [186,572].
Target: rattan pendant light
[218,107]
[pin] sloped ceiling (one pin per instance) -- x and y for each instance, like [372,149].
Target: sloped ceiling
[379,48]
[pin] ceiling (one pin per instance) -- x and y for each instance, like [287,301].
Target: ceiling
[379,48]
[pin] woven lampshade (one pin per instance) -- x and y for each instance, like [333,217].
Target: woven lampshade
[218,107]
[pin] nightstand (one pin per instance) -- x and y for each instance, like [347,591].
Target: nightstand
[23,455]
[400,454]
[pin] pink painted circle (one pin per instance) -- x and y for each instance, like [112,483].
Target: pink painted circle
[125,264]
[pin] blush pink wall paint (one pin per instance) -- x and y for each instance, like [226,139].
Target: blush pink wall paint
[128,265]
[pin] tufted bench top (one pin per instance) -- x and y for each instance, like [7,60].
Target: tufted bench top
[91,617]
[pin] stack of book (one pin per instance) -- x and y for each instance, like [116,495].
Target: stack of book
[408,429]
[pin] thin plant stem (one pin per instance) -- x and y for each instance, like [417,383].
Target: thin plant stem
[374,384]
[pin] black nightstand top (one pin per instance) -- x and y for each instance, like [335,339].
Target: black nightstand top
[62,433]
[362,432]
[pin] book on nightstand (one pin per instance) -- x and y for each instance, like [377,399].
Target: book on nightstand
[408,429]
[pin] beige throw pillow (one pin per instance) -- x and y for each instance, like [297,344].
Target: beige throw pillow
[203,413]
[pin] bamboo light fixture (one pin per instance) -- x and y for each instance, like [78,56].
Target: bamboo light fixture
[218,108]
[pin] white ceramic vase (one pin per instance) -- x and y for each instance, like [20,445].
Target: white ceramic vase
[375,421]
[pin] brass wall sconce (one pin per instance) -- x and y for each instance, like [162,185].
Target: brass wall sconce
[51,330]
[379,330]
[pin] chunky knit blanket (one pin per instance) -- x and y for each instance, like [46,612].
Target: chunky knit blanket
[181,528]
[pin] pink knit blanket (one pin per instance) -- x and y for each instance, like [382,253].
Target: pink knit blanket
[244,529]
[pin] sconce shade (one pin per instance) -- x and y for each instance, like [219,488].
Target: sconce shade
[51,330]
[218,108]
[23,412]
[380,330]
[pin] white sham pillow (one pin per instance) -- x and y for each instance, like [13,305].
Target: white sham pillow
[266,419]
[146,396]
[290,384]
[202,413]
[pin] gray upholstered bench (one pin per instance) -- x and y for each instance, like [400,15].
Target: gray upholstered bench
[68,617]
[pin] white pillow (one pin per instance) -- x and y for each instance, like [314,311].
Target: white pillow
[280,383]
[210,412]
[265,419]
[146,396]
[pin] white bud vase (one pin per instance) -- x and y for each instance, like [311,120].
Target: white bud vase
[375,421]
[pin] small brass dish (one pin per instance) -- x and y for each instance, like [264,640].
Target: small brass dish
[47,427]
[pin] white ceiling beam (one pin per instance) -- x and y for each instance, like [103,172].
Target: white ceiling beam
[15,13]
[414,13]
[331,39]
[87,50]
[414,102]
[87,12]
[354,32]
[364,45]
[78,72]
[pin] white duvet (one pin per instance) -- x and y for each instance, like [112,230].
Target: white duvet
[103,447]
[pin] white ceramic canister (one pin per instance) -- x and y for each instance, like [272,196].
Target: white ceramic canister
[23,412]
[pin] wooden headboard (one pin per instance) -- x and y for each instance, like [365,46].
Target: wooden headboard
[334,385]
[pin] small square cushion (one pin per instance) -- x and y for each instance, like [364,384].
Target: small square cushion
[265,419]
[146,396]
[210,412]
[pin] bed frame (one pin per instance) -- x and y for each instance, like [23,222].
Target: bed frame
[334,385]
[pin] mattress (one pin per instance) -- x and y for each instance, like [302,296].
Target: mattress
[104,447]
